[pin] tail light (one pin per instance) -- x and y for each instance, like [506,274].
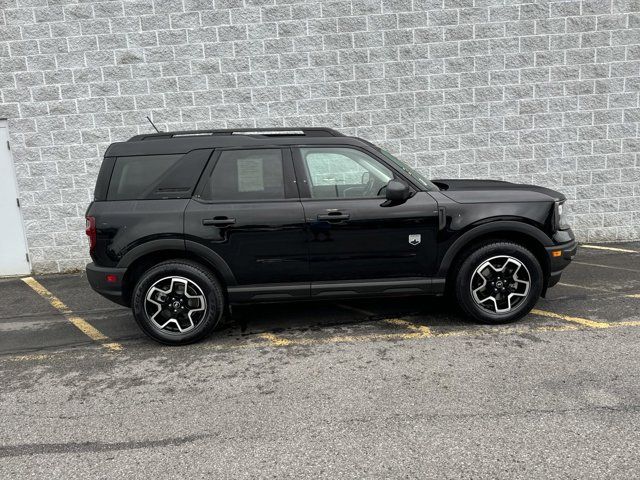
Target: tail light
[91,232]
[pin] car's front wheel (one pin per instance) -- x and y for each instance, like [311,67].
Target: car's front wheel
[498,282]
[177,302]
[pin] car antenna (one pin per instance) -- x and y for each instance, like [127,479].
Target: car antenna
[152,124]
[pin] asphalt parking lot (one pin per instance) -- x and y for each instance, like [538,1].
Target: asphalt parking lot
[370,388]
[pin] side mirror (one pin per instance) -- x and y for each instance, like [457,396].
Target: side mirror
[397,192]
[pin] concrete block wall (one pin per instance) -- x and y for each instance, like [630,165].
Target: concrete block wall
[539,92]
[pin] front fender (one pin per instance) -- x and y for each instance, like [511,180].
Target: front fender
[496,227]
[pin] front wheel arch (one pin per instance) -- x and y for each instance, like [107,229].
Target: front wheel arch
[506,253]
[458,252]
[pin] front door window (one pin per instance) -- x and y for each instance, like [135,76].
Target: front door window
[344,173]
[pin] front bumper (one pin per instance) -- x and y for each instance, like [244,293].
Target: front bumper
[560,257]
[112,290]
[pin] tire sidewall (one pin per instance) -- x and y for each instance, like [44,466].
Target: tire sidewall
[468,267]
[207,283]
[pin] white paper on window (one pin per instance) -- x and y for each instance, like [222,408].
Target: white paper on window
[250,175]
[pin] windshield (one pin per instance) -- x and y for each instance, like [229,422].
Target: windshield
[408,170]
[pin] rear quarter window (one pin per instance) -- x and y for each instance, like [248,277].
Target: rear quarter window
[145,177]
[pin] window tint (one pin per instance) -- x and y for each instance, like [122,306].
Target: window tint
[132,177]
[344,173]
[157,176]
[181,178]
[247,175]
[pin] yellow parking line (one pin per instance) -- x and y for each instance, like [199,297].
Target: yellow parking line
[363,338]
[80,323]
[372,337]
[612,249]
[420,329]
[581,321]
[278,341]
[27,357]
[507,330]
[274,339]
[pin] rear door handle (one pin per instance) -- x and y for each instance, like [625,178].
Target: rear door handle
[218,221]
[333,217]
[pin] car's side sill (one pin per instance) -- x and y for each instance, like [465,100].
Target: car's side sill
[342,289]
[275,292]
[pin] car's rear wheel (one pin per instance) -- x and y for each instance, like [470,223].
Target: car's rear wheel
[178,302]
[498,282]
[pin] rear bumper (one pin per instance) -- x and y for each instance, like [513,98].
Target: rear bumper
[558,262]
[112,290]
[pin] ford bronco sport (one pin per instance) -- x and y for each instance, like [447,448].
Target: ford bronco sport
[185,224]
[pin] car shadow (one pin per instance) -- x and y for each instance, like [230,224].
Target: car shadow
[316,316]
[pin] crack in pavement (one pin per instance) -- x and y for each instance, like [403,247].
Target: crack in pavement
[94,447]
[98,447]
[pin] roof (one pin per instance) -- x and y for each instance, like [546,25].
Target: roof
[262,132]
[185,141]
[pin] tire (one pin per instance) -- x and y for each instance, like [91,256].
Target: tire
[178,302]
[501,270]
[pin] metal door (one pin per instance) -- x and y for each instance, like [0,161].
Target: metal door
[354,232]
[13,245]
[247,211]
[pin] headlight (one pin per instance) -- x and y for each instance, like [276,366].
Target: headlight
[561,222]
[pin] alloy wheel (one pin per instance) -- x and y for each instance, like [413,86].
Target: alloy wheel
[175,304]
[500,284]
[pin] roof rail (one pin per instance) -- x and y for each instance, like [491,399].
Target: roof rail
[267,132]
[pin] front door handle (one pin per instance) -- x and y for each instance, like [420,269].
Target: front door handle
[218,221]
[334,217]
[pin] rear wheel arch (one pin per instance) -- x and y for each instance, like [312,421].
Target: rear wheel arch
[178,301]
[143,263]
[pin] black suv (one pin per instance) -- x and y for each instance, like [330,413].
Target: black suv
[185,224]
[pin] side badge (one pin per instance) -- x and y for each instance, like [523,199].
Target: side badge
[415,239]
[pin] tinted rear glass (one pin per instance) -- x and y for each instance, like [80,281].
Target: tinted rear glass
[156,176]
[247,175]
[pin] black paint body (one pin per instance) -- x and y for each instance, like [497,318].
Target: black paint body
[280,249]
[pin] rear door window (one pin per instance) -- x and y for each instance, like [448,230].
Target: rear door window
[241,175]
